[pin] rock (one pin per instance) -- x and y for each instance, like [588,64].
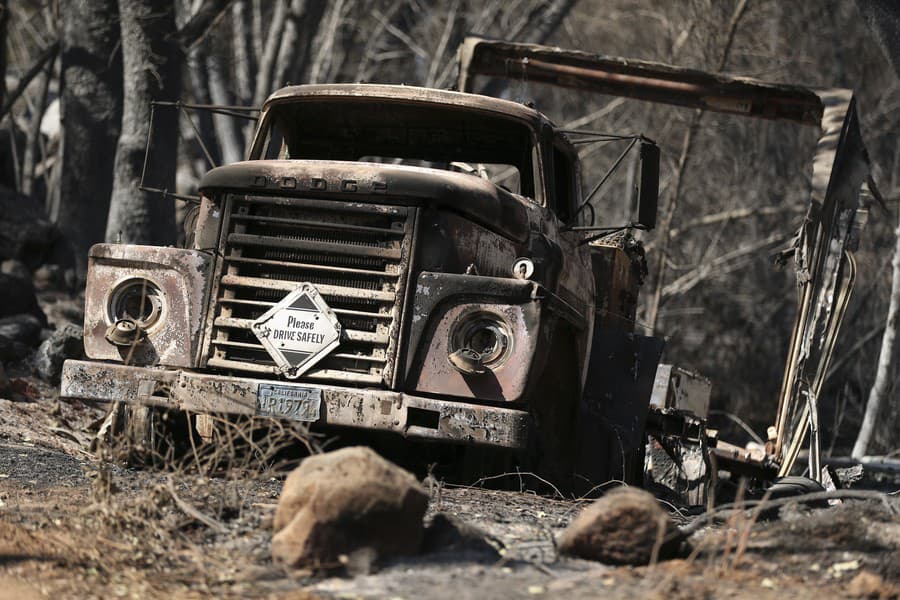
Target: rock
[621,528]
[867,584]
[16,268]
[19,334]
[337,503]
[458,539]
[64,343]
[17,297]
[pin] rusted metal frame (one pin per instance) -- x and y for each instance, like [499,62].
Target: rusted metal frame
[225,202]
[641,80]
[836,167]
[401,309]
[823,246]
[222,109]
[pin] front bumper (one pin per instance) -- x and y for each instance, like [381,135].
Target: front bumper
[384,410]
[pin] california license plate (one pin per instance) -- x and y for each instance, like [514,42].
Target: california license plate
[288,402]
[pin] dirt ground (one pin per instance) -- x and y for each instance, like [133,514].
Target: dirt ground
[73,526]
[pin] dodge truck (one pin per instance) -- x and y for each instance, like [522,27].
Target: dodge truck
[423,262]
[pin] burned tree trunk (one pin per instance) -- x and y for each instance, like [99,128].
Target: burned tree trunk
[151,66]
[91,106]
[4,21]
[887,363]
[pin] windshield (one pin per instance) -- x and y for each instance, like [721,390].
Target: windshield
[478,143]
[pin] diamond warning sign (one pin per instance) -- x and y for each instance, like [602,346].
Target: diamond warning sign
[299,331]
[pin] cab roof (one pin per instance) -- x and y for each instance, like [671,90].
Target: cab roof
[412,94]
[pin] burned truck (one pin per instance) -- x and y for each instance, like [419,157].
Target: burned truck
[417,262]
[389,257]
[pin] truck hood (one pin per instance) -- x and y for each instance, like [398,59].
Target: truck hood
[473,197]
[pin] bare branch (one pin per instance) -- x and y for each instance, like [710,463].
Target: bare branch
[209,13]
[30,74]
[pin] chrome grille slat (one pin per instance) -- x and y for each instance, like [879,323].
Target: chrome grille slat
[304,266]
[240,239]
[317,225]
[357,256]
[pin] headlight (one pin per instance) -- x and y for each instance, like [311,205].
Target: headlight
[479,341]
[138,300]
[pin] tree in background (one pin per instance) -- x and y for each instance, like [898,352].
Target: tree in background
[151,63]
[91,112]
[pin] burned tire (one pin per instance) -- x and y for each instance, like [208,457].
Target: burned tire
[787,487]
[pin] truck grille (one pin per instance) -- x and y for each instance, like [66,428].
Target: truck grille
[357,256]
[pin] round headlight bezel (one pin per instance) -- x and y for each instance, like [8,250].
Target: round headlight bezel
[124,302]
[485,332]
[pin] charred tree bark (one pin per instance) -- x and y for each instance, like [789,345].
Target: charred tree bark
[32,143]
[266,68]
[199,82]
[4,21]
[91,106]
[228,131]
[151,65]
[303,21]
[883,19]
[244,55]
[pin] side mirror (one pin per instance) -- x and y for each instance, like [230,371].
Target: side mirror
[648,191]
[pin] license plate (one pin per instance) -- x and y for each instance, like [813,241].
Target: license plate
[288,402]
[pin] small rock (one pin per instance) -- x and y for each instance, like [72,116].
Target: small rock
[64,343]
[448,534]
[622,527]
[867,584]
[19,334]
[337,503]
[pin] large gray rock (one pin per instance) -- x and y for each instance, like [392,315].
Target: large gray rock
[344,501]
[64,343]
[621,528]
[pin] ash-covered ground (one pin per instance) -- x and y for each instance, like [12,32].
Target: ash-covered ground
[74,526]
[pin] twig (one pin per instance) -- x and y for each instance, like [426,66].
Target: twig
[193,512]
